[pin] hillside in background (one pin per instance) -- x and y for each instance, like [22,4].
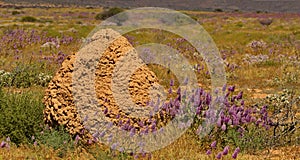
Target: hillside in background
[226,5]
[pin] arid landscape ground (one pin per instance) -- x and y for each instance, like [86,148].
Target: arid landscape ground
[261,54]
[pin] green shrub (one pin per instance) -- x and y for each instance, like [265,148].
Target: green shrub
[108,13]
[24,76]
[15,12]
[29,19]
[218,10]
[21,115]
[58,139]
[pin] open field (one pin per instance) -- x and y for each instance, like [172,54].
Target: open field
[262,60]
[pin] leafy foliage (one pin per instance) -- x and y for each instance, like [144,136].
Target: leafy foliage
[21,115]
[28,19]
[108,13]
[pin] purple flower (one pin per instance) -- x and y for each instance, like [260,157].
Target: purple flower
[235,153]
[114,146]
[237,150]
[226,150]
[240,95]
[214,144]
[102,134]
[186,81]
[223,127]
[198,131]
[76,139]
[231,88]
[132,132]
[105,110]
[172,82]
[170,90]
[35,143]
[242,102]
[224,88]
[2,144]
[219,155]
[208,152]
[90,141]
[7,139]
[219,122]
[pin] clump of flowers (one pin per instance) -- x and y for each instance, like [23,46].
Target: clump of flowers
[5,77]
[43,79]
[233,117]
[5,143]
[252,59]
[260,44]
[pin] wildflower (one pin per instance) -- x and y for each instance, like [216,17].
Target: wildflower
[199,130]
[7,139]
[172,82]
[214,144]
[219,122]
[76,139]
[224,88]
[231,88]
[2,144]
[186,80]
[35,143]
[132,132]
[170,90]
[114,146]
[235,153]
[219,155]
[85,118]
[208,152]
[242,102]
[240,95]
[223,127]
[105,110]
[90,141]
[226,150]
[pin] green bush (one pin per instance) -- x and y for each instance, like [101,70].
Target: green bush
[24,76]
[29,19]
[15,12]
[108,13]
[21,115]
[58,139]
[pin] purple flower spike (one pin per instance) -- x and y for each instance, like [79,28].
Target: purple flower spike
[240,95]
[7,139]
[214,144]
[208,152]
[219,155]
[172,82]
[226,150]
[234,155]
[170,90]
[224,88]
[231,88]
[223,127]
[219,122]
[2,144]
[242,102]
[186,81]
[77,138]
